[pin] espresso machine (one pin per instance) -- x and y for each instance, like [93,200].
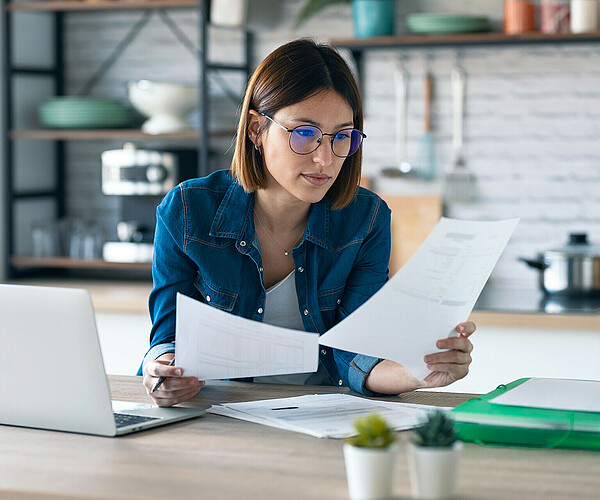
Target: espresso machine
[140,178]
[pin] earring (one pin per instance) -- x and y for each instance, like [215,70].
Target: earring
[256,147]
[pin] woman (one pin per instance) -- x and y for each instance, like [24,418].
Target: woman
[286,237]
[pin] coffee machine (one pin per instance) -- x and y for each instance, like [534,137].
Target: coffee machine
[140,178]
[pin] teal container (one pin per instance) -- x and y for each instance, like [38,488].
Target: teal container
[374,18]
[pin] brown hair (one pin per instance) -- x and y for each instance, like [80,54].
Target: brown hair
[291,73]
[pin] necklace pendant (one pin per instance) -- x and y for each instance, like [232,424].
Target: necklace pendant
[285,253]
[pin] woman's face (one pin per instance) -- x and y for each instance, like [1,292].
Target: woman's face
[304,177]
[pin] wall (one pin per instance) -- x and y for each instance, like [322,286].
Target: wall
[531,130]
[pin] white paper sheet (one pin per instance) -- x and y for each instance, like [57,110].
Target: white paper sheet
[425,300]
[324,415]
[557,394]
[213,344]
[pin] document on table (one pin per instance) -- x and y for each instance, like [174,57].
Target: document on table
[324,415]
[425,300]
[420,304]
[554,394]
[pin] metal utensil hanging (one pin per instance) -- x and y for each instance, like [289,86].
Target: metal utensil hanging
[401,81]
[459,181]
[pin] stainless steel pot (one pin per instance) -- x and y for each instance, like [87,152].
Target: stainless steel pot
[572,270]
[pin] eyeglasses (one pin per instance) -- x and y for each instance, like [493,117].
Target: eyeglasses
[305,139]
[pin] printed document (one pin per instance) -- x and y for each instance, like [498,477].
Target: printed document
[324,415]
[425,300]
[422,303]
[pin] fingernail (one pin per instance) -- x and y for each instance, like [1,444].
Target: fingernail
[441,343]
[461,329]
[178,372]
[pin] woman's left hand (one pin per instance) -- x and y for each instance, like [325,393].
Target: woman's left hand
[453,364]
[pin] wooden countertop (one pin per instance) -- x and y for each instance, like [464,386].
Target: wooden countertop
[132,298]
[218,457]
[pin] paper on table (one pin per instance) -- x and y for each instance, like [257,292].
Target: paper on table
[425,300]
[213,344]
[323,415]
[556,394]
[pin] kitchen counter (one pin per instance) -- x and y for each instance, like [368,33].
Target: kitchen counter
[495,308]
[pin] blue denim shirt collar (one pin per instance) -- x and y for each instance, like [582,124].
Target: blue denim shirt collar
[234,218]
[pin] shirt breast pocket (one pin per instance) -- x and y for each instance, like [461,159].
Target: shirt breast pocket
[215,296]
[329,301]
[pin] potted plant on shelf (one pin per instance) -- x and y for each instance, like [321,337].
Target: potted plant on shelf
[433,456]
[370,18]
[369,458]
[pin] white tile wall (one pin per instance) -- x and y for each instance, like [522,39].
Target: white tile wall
[532,113]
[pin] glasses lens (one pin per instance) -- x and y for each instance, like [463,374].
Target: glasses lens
[346,142]
[305,139]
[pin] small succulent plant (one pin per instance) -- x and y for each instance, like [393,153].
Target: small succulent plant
[438,431]
[373,432]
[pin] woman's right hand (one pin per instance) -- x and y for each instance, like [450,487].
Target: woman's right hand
[176,388]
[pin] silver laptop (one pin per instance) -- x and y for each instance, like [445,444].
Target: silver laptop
[52,373]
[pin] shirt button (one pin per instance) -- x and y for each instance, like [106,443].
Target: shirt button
[305,312]
[260,269]
[300,269]
[242,243]
[260,310]
[208,298]
[339,301]
[341,382]
[323,351]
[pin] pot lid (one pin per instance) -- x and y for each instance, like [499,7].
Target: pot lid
[578,245]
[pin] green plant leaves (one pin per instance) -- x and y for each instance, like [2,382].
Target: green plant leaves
[312,8]
[373,432]
[438,431]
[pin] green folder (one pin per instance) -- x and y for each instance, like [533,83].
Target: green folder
[485,423]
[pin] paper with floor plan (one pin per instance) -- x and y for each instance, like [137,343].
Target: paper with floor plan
[422,303]
[213,344]
[425,300]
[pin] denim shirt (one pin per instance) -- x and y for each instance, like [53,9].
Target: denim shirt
[202,249]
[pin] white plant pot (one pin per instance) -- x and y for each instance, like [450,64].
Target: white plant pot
[433,471]
[369,471]
[228,12]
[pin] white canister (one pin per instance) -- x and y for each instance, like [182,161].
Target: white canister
[584,16]
[228,12]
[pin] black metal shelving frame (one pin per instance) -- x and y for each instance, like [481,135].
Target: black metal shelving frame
[58,10]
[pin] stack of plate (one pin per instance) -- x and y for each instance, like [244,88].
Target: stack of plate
[438,24]
[85,112]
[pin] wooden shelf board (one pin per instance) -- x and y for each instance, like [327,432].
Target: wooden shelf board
[68,263]
[104,134]
[488,38]
[81,5]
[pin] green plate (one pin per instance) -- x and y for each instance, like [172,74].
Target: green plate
[85,113]
[438,24]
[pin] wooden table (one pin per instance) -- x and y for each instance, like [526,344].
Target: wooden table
[215,457]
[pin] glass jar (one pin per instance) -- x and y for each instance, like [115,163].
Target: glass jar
[519,17]
[555,16]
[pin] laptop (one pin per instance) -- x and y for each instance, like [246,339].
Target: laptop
[52,372]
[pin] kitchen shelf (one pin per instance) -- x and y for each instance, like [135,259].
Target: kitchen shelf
[104,134]
[462,39]
[55,13]
[81,5]
[68,263]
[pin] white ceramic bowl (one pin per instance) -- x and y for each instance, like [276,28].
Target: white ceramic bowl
[166,104]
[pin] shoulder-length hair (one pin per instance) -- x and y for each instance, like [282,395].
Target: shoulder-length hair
[290,74]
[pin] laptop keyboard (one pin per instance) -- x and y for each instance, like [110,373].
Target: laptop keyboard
[125,419]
